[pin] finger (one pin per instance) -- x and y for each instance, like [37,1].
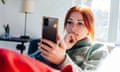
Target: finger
[61,42]
[73,38]
[70,38]
[48,42]
[45,47]
[44,52]
[46,56]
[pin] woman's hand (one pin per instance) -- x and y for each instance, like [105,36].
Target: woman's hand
[70,40]
[51,51]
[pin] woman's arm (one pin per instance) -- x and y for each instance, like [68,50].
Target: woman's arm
[68,60]
[88,65]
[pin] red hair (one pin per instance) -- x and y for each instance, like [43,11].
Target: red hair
[87,17]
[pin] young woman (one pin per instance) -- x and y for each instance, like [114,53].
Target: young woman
[77,47]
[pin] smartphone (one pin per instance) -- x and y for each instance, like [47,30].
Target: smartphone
[50,28]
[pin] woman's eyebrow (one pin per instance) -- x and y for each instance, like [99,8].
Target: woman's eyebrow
[69,19]
[80,19]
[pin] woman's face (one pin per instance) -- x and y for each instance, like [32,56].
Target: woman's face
[75,24]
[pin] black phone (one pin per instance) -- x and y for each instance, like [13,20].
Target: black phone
[50,28]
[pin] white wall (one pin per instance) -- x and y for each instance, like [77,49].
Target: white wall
[10,13]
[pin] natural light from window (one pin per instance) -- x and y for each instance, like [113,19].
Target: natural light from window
[101,10]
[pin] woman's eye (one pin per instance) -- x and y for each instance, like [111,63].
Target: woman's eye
[80,23]
[69,22]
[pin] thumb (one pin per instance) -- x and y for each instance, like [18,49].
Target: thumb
[61,42]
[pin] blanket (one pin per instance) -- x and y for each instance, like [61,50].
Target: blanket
[11,61]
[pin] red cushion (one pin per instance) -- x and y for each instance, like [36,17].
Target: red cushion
[11,61]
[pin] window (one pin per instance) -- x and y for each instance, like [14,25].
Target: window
[101,12]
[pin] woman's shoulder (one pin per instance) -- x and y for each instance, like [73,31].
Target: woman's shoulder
[102,46]
[98,46]
[98,49]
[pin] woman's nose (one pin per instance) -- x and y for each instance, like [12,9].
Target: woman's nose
[73,28]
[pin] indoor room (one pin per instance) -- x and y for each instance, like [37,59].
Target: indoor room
[22,23]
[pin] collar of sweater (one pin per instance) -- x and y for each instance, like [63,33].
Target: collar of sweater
[81,44]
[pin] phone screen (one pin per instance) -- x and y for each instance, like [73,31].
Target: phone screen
[50,28]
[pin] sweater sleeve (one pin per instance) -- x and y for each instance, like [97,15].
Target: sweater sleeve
[68,60]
